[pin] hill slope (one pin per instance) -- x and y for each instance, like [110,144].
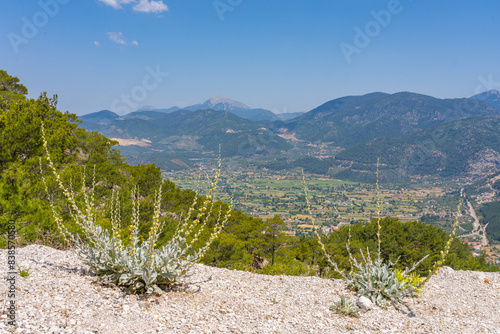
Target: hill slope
[468,146]
[491,97]
[185,130]
[352,120]
[99,120]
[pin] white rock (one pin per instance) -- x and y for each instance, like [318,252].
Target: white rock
[365,303]
[480,276]
[446,270]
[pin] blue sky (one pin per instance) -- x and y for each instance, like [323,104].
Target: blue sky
[281,55]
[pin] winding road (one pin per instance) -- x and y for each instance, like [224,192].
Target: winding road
[477,228]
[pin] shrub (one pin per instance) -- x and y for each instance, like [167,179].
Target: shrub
[291,268]
[375,279]
[412,280]
[135,264]
[346,306]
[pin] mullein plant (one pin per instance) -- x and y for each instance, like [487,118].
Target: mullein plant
[139,266]
[375,279]
[346,306]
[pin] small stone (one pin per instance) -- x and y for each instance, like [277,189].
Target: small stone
[365,303]
[479,276]
[487,280]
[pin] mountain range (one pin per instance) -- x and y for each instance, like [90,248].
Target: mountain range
[409,132]
[187,131]
[221,103]
[352,120]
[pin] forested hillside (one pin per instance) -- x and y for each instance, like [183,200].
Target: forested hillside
[245,243]
[465,146]
[491,216]
[353,120]
[188,131]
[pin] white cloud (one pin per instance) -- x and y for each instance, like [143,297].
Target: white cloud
[113,3]
[144,6]
[96,43]
[116,4]
[117,37]
[147,6]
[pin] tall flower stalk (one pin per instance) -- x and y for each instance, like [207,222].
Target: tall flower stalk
[378,212]
[139,266]
[375,279]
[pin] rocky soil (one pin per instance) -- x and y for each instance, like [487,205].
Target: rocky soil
[60,297]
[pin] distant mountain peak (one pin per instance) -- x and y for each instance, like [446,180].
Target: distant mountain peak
[226,102]
[489,92]
[146,108]
[490,96]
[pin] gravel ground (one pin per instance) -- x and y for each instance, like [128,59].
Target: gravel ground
[60,297]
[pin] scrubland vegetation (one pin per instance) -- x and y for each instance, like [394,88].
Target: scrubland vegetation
[235,241]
